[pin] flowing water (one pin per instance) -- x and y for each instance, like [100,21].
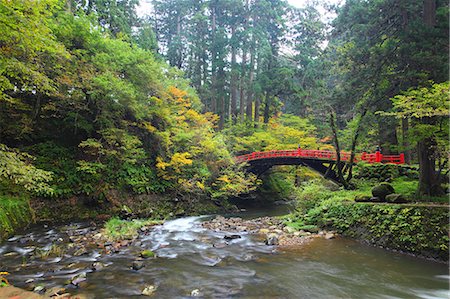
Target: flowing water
[189,258]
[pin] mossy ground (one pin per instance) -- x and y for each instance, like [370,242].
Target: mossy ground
[15,213]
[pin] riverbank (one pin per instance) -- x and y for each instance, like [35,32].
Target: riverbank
[417,228]
[16,213]
[271,230]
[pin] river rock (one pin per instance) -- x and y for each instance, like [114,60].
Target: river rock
[137,265]
[80,251]
[288,229]
[329,236]
[77,279]
[220,245]
[272,239]
[97,266]
[55,292]
[147,253]
[231,237]
[149,290]
[39,289]
[264,231]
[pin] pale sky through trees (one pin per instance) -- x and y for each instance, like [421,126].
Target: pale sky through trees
[145,6]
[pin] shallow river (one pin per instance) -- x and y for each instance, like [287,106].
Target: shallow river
[246,268]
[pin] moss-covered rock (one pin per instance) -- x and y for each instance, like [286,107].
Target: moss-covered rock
[15,213]
[395,198]
[382,190]
[147,254]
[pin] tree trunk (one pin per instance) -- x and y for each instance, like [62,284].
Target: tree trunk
[429,184]
[234,77]
[257,104]
[250,86]
[338,151]
[429,12]
[354,142]
[406,145]
[267,104]
[213,61]
[428,180]
[242,86]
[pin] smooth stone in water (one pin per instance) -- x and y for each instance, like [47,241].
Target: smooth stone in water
[149,290]
[137,265]
[39,289]
[231,237]
[97,266]
[272,239]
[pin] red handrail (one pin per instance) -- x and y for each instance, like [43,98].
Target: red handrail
[376,157]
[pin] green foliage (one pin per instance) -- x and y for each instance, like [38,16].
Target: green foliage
[285,132]
[279,183]
[16,169]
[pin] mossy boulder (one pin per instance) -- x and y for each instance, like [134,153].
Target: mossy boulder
[395,198]
[362,198]
[147,254]
[382,190]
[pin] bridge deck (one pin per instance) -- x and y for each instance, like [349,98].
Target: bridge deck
[323,155]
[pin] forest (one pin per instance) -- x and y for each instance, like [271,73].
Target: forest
[123,121]
[94,98]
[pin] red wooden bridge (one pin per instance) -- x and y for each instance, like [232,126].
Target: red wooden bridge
[321,161]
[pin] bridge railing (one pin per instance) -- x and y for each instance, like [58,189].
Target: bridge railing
[323,155]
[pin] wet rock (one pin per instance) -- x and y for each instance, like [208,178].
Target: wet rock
[55,291]
[137,265]
[12,253]
[80,251]
[195,293]
[219,245]
[97,266]
[39,289]
[77,279]
[272,239]
[149,290]
[288,229]
[147,254]
[329,236]
[231,237]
